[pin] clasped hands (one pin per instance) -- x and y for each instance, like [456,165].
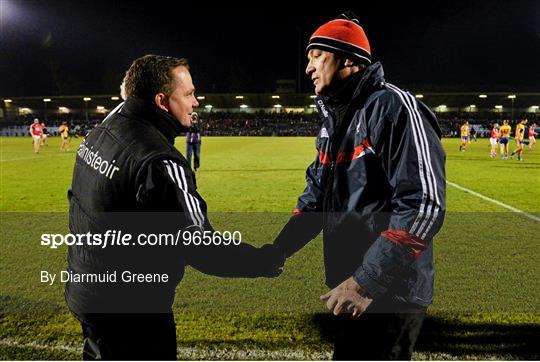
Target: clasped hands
[271,262]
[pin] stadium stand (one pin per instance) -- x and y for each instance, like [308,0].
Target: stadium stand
[265,114]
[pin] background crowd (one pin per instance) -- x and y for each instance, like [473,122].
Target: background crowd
[253,124]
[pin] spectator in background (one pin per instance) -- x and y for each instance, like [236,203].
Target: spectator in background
[193,142]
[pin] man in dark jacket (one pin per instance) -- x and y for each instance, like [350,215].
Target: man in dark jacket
[193,142]
[129,177]
[377,191]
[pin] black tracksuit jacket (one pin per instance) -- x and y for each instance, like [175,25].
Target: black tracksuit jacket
[376,189]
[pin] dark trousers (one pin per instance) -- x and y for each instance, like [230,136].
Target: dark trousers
[378,335]
[195,149]
[129,337]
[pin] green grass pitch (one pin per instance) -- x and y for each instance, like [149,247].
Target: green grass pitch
[487,299]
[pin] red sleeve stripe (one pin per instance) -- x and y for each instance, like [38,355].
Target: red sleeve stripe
[360,150]
[346,157]
[412,243]
[324,158]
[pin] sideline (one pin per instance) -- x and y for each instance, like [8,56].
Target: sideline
[227,353]
[511,208]
[197,353]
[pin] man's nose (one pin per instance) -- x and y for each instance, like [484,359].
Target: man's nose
[310,69]
[196,103]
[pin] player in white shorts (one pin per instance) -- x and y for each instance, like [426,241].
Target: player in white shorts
[36,130]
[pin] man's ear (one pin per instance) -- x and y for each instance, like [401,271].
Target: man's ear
[161,101]
[348,63]
[345,62]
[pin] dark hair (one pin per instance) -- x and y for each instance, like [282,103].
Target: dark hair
[150,75]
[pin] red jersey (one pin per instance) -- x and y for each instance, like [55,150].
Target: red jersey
[495,133]
[37,130]
[532,127]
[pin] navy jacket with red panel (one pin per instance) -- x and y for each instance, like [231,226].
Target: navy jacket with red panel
[376,189]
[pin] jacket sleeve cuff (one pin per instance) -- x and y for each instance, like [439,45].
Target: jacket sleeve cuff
[300,229]
[368,283]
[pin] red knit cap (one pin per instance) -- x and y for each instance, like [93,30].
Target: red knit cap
[343,35]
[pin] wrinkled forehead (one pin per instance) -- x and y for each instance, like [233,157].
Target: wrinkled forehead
[316,51]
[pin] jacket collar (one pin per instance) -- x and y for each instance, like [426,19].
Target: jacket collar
[357,85]
[143,110]
[344,94]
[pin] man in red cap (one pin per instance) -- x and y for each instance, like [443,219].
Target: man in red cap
[377,192]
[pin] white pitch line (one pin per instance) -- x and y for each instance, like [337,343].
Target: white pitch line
[227,353]
[197,353]
[511,208]
[36,345]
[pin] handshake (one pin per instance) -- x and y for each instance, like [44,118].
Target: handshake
[248,261]
[241,261]
[298,231]
[271,261]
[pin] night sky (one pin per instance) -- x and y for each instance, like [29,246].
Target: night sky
[84,47]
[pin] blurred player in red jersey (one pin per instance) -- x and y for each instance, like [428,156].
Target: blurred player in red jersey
[44,134]
[36,130]
[532,133]
[494,140]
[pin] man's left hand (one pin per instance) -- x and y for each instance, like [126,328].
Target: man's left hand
[348,297]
